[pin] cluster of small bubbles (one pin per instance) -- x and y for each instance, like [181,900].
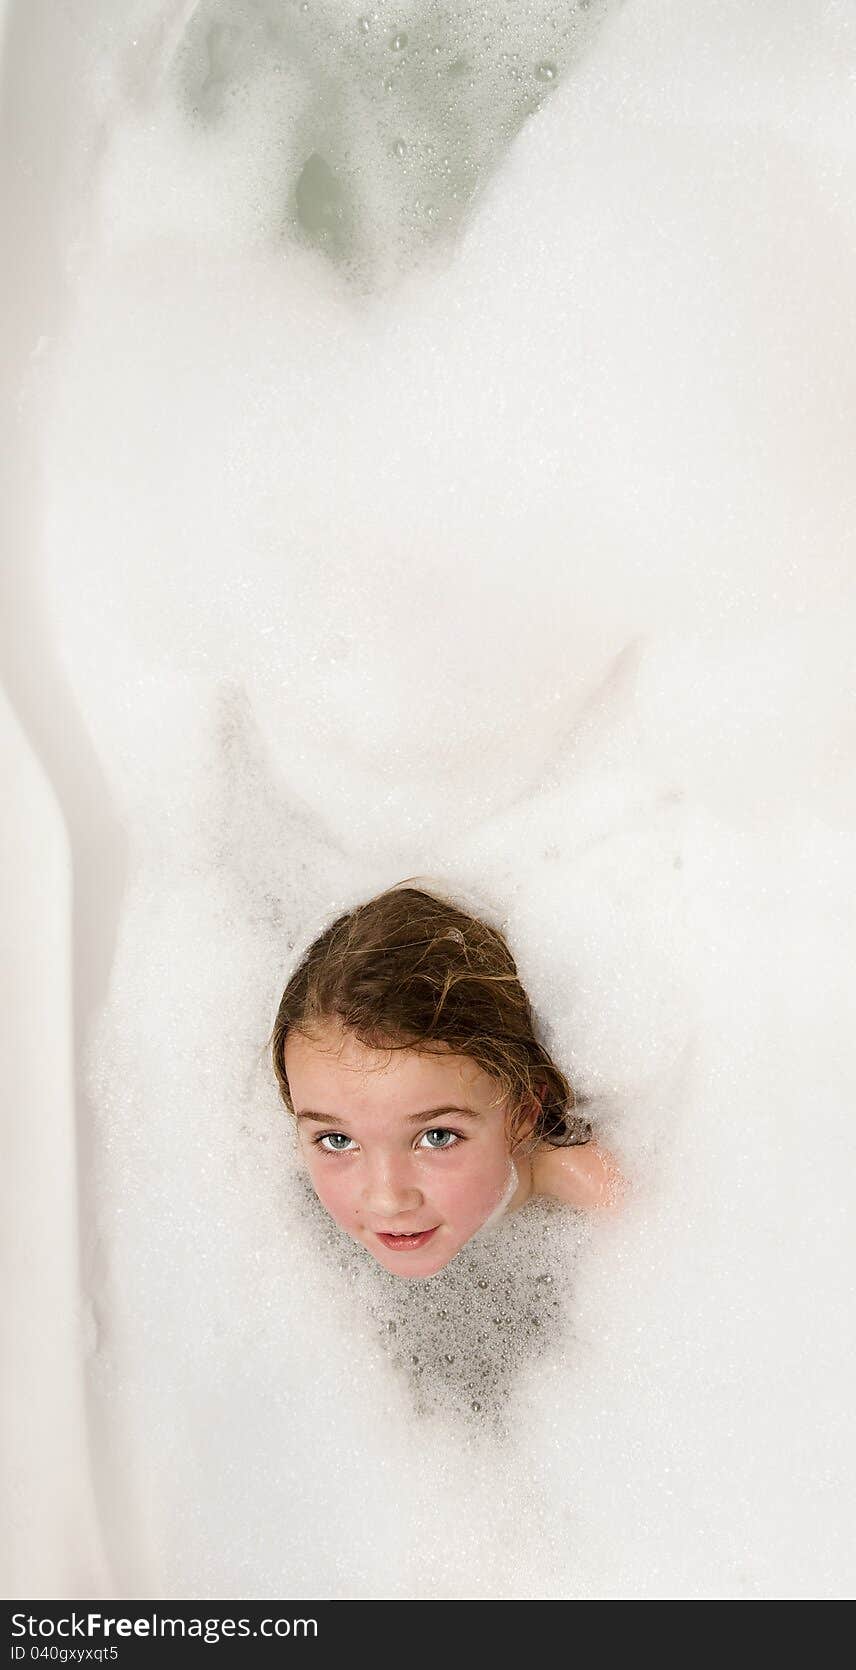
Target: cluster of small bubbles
[457,83]
[458,1353]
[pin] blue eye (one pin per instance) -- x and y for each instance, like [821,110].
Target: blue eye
[441,1131]
[332,1136]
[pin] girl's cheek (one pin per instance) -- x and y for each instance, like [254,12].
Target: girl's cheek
[331,1187]
[473,1189]
[337,1188]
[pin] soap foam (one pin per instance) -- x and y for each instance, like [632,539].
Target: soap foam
[510,544]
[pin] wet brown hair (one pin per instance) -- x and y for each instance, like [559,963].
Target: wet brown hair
[411,970]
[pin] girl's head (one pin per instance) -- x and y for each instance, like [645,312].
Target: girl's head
[405,1050]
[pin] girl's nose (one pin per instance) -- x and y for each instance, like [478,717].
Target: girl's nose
[390,1190]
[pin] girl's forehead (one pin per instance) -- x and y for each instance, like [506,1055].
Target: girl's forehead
[331,1057]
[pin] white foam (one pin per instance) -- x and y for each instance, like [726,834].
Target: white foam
[519,555]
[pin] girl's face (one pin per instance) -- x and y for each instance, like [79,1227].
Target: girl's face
[397,1142]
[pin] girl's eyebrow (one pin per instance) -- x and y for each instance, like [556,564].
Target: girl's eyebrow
[412,1118]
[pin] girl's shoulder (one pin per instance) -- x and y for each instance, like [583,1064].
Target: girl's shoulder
[582,1175]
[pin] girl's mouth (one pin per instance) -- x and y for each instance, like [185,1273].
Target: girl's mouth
[407,1243]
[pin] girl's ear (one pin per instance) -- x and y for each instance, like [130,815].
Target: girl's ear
[528,1139]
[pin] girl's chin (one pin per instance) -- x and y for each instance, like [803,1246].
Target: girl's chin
[424,1274]
[417,1265]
